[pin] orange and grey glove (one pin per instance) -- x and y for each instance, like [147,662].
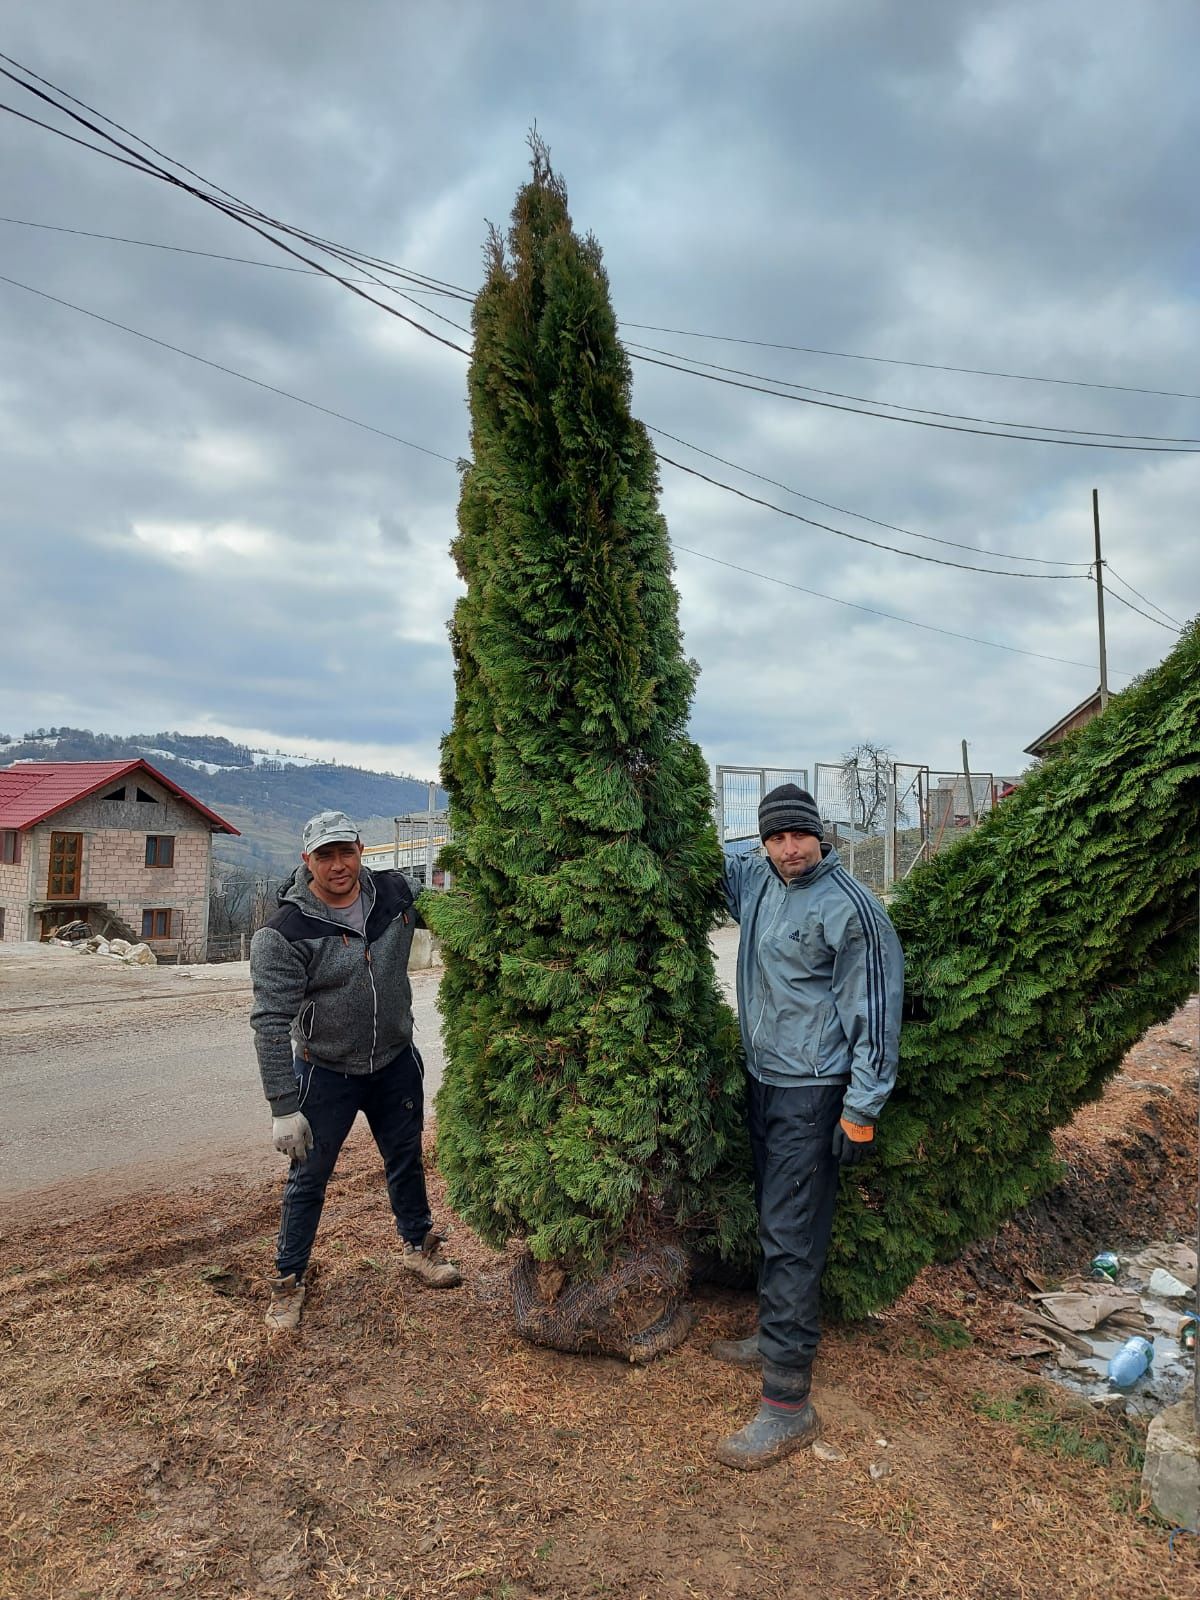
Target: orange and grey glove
[853,1141]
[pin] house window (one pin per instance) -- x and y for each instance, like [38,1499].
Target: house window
[115,794]
[157,924]
[10,847]
[66,857]
[160,850]
[147,799]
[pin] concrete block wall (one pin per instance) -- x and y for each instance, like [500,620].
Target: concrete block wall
[14,894]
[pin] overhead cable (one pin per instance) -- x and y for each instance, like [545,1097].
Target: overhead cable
[1113,595]
[911,622]
[237,213]
[925,366]
[954,544]
[913,555]
[1113,573]
[922,411]
[891,616]
[917,422]
[231,371]
[186,250]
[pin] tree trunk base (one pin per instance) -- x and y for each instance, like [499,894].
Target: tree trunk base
[635,1310]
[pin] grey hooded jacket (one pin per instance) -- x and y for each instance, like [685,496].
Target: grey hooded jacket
[820,979]
[326,993]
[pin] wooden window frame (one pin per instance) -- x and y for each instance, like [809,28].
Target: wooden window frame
[150,922]
[10,847]
[68,888]
[155,843]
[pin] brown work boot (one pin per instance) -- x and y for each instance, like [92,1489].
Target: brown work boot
[287,1300]
[427,1263]
[738,1352]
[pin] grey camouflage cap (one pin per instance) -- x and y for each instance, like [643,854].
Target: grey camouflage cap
[328,827]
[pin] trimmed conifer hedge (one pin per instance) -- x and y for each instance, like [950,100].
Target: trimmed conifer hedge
[1037,951]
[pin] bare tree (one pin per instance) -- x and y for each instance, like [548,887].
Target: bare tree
[866,773]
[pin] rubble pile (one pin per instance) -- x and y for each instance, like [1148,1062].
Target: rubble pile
[79,937]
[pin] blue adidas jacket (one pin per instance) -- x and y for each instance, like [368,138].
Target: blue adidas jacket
[820,979]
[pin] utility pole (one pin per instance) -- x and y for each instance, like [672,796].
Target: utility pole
[969,784]
[1099,564]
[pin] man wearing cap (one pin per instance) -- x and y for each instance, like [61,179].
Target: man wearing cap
[820,983]
[332,1020]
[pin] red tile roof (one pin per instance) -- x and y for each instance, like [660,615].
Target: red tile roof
[34,790]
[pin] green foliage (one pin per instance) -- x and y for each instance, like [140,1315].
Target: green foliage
[592,1088]
[1056,1425]
[1038,950]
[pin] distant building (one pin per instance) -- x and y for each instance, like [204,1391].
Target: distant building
[1081,715]
[112,843]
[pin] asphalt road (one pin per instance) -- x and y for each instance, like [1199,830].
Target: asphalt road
[114,1078]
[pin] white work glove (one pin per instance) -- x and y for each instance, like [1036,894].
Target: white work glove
[292,1135]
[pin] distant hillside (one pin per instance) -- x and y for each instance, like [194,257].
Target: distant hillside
[267,795]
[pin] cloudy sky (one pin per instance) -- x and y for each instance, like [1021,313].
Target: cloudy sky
[1007,187]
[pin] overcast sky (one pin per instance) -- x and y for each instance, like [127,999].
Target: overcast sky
[1006,186]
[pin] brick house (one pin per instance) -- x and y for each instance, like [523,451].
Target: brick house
[114,843]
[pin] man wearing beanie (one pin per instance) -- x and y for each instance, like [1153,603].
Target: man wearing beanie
[820,983]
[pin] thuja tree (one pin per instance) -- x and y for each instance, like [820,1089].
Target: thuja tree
[1037,951]
[590,1099]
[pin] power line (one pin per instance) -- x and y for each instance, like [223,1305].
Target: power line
[1113,573]
[231,371]
[891,405]
[919,422]
[891,616]
[926,366]
[913,555]
[892,527]
[1169,626]
[237,213]
[425,450]
[426,280]
[185,250]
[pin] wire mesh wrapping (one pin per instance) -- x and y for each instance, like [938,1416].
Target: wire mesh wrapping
[635,1310]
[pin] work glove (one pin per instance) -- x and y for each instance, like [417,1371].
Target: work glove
[853,1141]
[292,1135]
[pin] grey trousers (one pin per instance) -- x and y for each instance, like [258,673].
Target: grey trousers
[795,1189]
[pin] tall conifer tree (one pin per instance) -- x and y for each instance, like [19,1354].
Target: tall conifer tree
[591,1087]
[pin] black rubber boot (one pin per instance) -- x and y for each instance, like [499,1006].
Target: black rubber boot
[771,1435]
[785,1421]
[738,1352]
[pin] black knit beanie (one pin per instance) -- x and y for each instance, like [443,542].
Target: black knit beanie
[788,809]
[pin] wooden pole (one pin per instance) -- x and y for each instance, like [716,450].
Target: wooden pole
[970,786]
[1099,564]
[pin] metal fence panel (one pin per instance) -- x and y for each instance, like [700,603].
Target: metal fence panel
[738,792]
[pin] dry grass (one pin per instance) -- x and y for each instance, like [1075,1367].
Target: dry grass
[406,1443]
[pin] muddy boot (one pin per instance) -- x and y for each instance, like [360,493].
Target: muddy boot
[738,1352]
[287,1299]
[426,1262]
[785,1421]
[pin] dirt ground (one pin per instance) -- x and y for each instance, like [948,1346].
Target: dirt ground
[155,1441]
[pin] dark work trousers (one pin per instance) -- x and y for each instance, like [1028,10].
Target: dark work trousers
[795,1189]
[393,1102]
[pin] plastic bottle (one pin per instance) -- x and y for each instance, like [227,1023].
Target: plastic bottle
[1126,1366]
[1187,1331]
[1105,1265]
